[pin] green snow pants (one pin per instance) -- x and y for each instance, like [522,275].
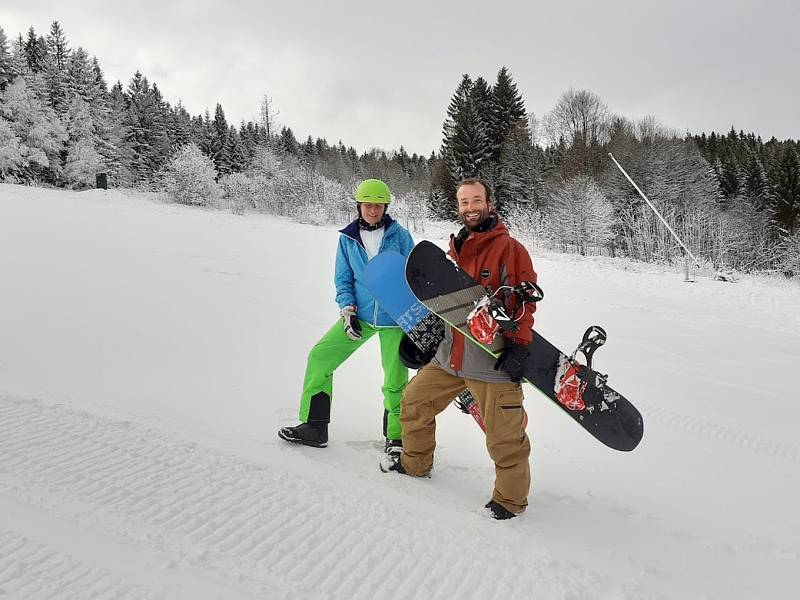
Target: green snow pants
[331,351]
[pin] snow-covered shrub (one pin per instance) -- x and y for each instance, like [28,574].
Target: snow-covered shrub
[789,255]
[743,239]
[189,177]
[268,162]
[83,164]
[263,194]
[271,173]
[411,210]
[238,192]
[313,198]
[528,224]
[580,215]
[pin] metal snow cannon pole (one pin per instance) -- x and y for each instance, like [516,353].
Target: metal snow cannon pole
[658,214]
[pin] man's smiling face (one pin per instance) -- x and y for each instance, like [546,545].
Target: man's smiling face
[473,206]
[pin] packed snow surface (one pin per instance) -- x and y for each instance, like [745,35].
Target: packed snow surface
[149,353]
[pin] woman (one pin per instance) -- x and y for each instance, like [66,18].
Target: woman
[372,232]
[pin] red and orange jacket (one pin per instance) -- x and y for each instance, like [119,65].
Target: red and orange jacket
[493,258]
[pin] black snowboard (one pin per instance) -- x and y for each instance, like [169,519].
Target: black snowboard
[451,294]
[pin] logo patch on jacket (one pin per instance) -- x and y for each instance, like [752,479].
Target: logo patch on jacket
[485,274]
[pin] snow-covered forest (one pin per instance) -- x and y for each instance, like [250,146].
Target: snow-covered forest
[733,198]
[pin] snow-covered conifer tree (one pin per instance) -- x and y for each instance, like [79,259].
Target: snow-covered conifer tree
[146,135]
[238,154]
[753,181]
[221,150]
[508,112]
[12,155]
[54,69]
[36,134]
[19,62]
[6,68]
[520,172]
[119,156]
[465,147]
[35,51]
[785,180]
[83,160]
[289,141]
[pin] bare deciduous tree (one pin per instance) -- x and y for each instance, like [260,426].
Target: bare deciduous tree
[268,115]
[578,115]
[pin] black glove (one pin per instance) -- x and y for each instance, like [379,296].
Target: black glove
[512,361]
[352,328]
[413,357]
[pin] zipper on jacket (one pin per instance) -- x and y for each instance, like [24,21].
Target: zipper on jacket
[359,244]
[380,249]
[383,241]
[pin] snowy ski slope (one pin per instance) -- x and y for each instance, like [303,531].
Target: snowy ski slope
[149,353]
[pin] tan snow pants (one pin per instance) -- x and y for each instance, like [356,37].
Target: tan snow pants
[430,392]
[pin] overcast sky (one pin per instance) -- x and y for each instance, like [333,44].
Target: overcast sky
[380,74]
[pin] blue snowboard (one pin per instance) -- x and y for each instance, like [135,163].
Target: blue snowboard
[385,279]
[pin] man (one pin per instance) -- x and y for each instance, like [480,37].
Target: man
[485,250]
[373,231]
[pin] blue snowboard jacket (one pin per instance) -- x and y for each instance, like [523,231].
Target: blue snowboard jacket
[351,260]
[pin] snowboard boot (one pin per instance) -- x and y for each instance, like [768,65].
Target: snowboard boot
[308,434]
[393,446]
[499,511]
[391,463]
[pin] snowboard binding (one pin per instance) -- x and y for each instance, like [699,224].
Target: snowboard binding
[573,377]
[594,337]
[490,314]
[528,291]
[487,318]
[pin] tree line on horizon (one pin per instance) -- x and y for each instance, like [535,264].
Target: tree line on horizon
[734,198]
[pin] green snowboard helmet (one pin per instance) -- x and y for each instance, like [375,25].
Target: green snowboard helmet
[373,190]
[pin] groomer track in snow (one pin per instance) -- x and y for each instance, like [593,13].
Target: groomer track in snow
[210,519]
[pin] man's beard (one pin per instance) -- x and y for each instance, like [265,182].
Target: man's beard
[472,226]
